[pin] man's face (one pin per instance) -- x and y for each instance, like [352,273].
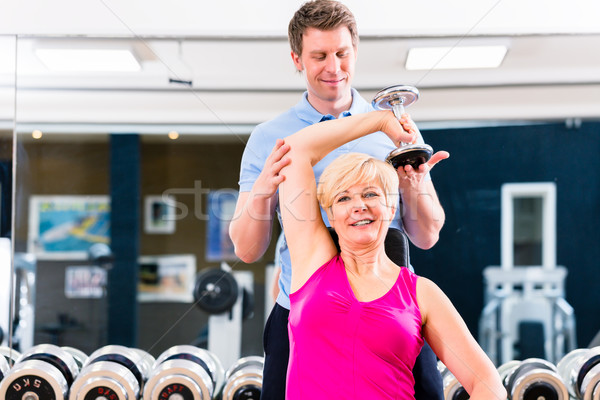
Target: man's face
[327,59]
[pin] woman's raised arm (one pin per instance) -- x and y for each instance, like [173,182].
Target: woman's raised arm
[308,240]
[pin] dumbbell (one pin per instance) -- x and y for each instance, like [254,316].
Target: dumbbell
[580,370]
[79,356]
[112,373]
[396,98]
[243,380]
[10,355]
[185,373]
[453,390]
[506,369]
[44,372]
[4,367]
[535,379]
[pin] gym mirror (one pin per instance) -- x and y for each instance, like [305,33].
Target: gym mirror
[121,200]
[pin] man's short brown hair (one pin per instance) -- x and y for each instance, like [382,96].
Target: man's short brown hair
[324,15]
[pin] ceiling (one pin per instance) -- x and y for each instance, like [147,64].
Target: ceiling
[551,72]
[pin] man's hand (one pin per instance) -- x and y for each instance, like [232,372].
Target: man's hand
[411,178]
[250,228]
[269,179]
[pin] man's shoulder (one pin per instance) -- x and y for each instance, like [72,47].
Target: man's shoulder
[280,126]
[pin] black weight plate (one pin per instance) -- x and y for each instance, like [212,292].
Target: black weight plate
[540,390]
[412,157]
[247,392]
[216,290]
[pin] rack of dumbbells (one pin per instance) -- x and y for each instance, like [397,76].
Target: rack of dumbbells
[184,372]
[575,377]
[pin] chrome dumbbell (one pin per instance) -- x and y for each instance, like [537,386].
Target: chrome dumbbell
[580,370]
[44,372]
[506,369]
[535,379]
[10,355]
[453,390]
[396,98]
[112,373]
[243,380]
[79,356]
[185,373]
[8,358]
[4,367]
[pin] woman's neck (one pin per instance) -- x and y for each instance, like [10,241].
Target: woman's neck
[364,260]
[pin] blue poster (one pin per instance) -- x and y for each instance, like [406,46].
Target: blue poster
[221,206]
[64,227]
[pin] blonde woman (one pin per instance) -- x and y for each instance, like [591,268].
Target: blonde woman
[357,321]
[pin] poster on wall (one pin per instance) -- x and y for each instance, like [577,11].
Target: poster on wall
[64,227]
[221,206]
[85,282]
[167,278]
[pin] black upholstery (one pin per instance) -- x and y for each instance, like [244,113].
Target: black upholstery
[396,246]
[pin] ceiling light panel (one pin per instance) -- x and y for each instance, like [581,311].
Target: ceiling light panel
[455,57]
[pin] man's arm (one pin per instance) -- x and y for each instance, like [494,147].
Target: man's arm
[422,214]
[250,228]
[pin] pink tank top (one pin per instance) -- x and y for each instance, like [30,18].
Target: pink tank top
[341,348]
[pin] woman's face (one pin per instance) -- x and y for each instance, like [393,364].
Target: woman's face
[360,214]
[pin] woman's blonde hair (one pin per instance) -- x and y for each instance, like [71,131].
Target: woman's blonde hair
[352,168]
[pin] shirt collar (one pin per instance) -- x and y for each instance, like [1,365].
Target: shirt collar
[306,111]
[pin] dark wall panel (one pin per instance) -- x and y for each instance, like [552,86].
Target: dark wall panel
[469,186]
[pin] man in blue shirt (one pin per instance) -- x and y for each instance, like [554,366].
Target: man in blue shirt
[324,39]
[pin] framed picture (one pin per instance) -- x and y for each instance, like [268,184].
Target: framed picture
[85,282]
[159,214]
[167,278]
[64,227]
[221,206]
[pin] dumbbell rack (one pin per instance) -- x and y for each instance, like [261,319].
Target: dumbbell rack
[522,294]
[113,372]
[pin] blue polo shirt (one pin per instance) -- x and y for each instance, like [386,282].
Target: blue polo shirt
[261,143]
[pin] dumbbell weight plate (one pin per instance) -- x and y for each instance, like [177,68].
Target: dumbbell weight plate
[388,97]
[118,369]
[43,372]
[218,372]
[583,366]
[105,380]
[506,369]
[179,379]
[566,369]
[121,355]
[453,390]
[536,379]
[412,154]
[79,356]
[243,380]
[4,367]
[216,290]
[590,384]
[244,363]
[145,361]
[182,364]
[55,356]
[10,355]
[203,357]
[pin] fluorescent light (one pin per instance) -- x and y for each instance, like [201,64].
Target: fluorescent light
[456,57]
[88,60]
